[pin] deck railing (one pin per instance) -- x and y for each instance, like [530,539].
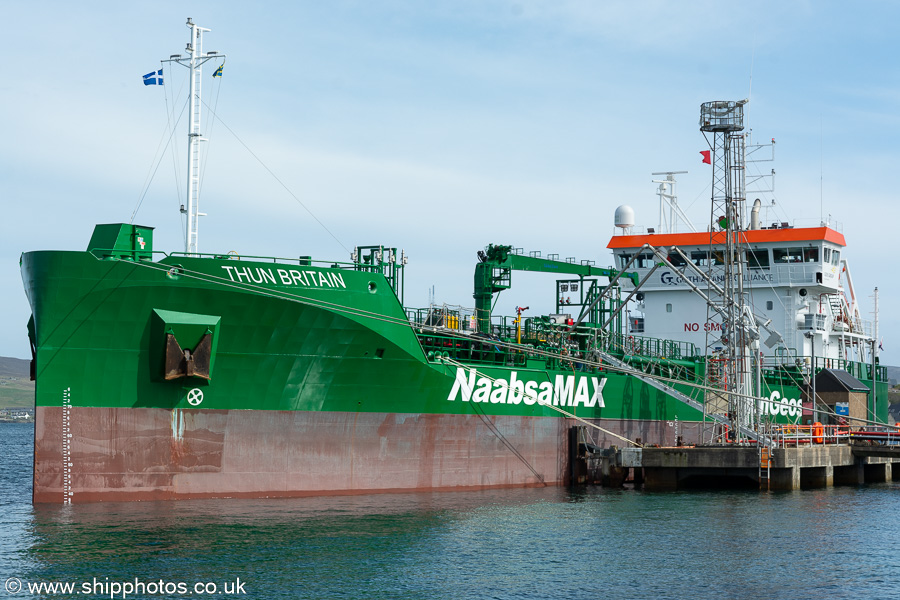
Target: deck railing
[809,435]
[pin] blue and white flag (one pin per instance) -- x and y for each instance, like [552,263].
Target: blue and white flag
[153,78]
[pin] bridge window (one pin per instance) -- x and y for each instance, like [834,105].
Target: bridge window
[811,255]
[676,260]
[787,255]
[703,258]
[835,257]
[758,259]
[624,258]
[827,255]
[644,261]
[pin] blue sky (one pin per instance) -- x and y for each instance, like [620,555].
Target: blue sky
[440,127]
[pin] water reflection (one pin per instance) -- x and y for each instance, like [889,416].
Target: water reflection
[522,543]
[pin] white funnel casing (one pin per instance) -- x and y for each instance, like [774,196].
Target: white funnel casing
[754,214]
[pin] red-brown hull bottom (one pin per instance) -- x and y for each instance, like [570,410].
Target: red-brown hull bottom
[127,454]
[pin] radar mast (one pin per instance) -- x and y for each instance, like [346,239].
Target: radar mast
[733,348]
[193,61]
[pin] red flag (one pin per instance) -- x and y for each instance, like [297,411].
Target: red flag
[706,159]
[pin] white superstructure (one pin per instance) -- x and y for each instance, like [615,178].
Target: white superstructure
[795,278]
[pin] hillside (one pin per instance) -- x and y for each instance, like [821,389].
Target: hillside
[893,373]
[16,388]
[13,367]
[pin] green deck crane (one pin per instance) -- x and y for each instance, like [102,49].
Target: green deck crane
[493,274]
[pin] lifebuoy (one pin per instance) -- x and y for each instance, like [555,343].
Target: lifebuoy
[818,431]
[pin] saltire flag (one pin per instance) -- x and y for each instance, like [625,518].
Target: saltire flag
[218,72]
[153,78]
[706,159]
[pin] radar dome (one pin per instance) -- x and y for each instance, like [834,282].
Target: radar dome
[624,217]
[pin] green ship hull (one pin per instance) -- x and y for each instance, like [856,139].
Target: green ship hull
[188,376]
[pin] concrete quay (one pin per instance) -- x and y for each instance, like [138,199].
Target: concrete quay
[789,468]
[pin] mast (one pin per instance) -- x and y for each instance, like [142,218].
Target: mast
[195,47]
[667,196]
[875,327]
[732,348]
[194,61]
[875,359]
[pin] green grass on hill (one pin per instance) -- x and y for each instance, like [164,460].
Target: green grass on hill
[16,398]
[16,389]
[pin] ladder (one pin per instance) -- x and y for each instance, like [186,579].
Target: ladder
[839,313]
[765,466]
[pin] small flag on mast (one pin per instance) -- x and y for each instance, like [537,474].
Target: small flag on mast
[218,72]
[153,78]
[706,159]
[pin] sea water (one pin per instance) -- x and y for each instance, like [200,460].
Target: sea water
[523,543]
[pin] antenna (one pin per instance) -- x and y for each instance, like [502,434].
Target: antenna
[875,347]
[758,182]
[194,61]
[822,172]
[750,85]
[752,60]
